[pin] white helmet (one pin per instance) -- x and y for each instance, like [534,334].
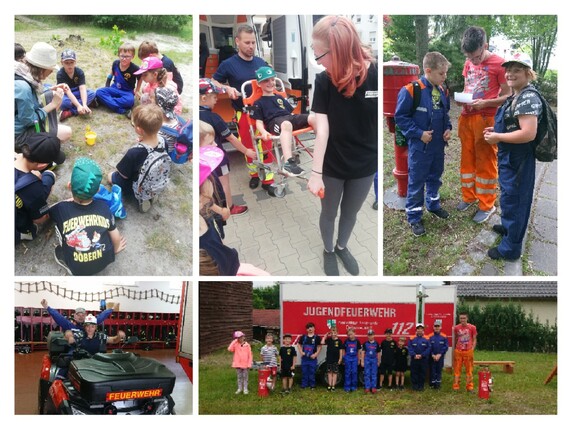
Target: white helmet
[90,319]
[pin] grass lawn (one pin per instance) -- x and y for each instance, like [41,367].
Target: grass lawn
[522,392]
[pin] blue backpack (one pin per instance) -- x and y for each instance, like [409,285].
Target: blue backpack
[184,140]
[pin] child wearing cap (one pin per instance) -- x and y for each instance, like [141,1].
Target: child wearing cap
[225,258]
[153,75]
[167,99]
[387,366]
[86,229]
[242,360]
[32,188]
[309,346]
[370,362]
[208,99]
[419,350]
[119,96]
[287,357]
[74,78]
[401,363]
[147,120]
[149,48]
[515,131]
[438,342]
[273,114]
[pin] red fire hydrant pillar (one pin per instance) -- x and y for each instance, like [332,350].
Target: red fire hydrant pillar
[397,74]
[484,383]
[263,389]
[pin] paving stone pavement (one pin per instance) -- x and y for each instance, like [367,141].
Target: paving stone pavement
[540,242]
[282,236]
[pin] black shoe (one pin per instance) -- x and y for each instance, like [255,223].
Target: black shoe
[418,229]
[494,253]
[331,264]
[441,213]
[375,205]
[269,188]
[292,169]
[254,182]
[350,263]
[499,229]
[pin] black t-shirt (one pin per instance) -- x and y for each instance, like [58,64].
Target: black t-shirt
[217,123]
[287,355]
[77,80]
[31,201]
[388,351]
[353,142]
[129,166]
[83,232]
[333,347]
[268,108]
[226,258]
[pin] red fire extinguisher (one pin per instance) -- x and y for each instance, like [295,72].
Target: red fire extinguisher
[485,382]
[263,389]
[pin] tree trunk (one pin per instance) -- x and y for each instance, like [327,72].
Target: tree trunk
[422,37]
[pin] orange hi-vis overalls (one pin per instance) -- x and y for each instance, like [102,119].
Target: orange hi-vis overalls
[464,337]
[479,160]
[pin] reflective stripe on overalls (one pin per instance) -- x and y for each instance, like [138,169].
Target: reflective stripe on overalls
[245,137]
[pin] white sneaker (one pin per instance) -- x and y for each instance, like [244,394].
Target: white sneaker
[245,391]
[238,391]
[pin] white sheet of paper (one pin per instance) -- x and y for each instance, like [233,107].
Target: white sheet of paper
[465,98]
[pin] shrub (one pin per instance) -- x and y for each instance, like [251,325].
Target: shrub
[169,23]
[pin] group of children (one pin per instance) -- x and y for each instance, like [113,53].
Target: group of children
[389,358]
[272,113]
[86,230]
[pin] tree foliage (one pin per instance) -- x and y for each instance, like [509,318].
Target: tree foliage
[266,297]
[166,23]
[507,327]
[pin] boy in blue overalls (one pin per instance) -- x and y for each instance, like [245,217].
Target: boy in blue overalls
[309,346]
[438,342]
[427,130]
[119,96]
[352,349]
[419,350]
[370,361]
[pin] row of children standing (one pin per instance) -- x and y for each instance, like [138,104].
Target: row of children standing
[97,241]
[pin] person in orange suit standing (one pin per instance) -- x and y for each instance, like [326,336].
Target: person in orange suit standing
[485,79]
[464,342]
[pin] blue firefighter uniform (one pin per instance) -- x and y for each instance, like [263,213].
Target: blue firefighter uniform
[439,345]
[516,172]
[426,161]
[351,356]
[371,350]
[419,345]
[309,345]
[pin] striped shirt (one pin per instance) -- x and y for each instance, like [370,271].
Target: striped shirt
[269,355]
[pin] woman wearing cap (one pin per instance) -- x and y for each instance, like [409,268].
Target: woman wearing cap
[35,106]
[346,145]
[515,129]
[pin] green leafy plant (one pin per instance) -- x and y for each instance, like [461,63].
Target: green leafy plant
[114,40]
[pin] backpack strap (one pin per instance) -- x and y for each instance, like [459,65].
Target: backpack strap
[23,181]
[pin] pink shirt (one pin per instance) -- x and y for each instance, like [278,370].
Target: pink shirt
[484,82]
[464,336]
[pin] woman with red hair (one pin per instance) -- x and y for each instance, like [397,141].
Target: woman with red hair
[346,145]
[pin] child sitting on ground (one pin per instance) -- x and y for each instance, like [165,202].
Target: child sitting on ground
[154,75]
[273,113]
[147,120]
[149,48]
[119,96]
[85,228]
[427,130]
[32,187]
[208,99]
[74,78]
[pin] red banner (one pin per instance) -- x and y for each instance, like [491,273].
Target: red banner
[400,317]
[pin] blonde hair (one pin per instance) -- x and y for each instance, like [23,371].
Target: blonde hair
[434,61]
[205,130]
[127,47]
[349,57]
[148,117]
